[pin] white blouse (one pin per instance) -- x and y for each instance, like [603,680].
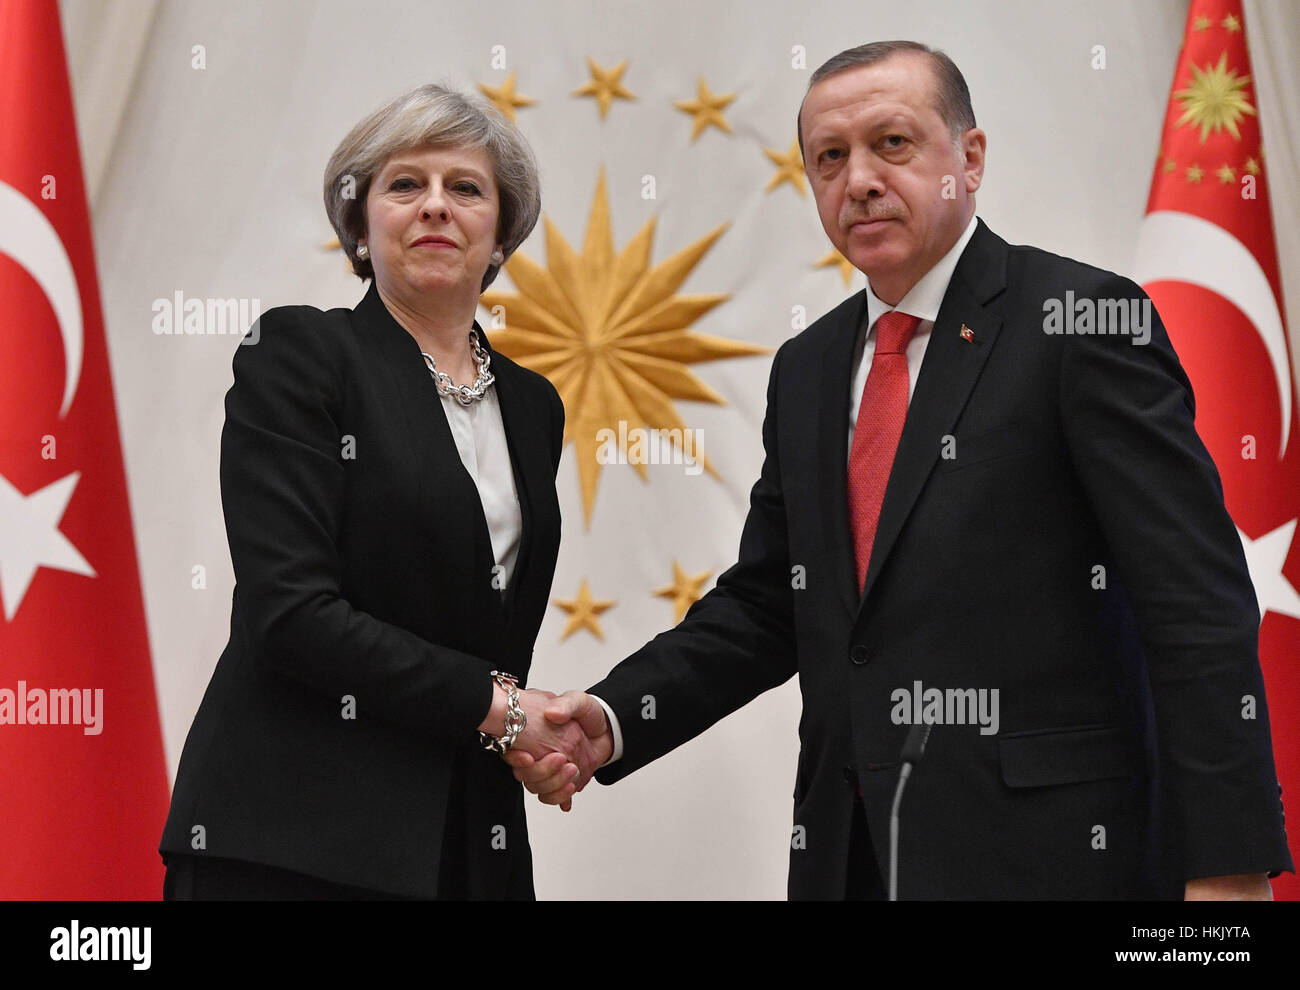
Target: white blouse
[480,436]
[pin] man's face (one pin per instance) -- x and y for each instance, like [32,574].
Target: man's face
[893,191]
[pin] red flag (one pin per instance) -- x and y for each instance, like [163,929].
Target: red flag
[83,782]
[1208,259]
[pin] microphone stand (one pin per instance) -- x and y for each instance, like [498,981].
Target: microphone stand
[913,750]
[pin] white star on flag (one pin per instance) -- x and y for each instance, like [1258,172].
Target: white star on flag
[1265,558]
[30,538]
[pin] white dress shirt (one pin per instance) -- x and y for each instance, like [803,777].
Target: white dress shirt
[923,300]
[480,436]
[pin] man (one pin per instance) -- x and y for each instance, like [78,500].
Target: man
[961,501]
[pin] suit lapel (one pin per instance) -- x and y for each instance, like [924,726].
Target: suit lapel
[948,374]
[443,478]
[833,386]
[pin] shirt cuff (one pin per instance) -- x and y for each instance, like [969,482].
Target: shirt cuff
[615,731]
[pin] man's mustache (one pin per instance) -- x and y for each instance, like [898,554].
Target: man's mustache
[848,217]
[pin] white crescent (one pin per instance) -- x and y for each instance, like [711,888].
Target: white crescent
[31,240]
[1181,247]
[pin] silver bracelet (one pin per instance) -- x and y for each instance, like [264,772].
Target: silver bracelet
[515,717]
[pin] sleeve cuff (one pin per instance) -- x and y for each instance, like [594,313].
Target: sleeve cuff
[615,731]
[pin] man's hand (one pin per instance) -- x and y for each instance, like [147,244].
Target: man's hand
[1242,887]
[553,777]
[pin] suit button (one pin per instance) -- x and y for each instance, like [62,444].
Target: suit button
[849,776]
[859,654]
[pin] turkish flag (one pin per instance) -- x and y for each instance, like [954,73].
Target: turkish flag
[1207,258]
[83,782]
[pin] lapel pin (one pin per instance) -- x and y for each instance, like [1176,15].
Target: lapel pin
[967,334]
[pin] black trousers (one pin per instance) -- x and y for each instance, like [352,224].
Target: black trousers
[211,878]
[864,880]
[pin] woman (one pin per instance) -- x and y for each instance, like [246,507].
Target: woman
[388,482]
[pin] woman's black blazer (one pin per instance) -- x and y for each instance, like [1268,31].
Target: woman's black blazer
[337,736]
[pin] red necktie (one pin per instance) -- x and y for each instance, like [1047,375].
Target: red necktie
[877,431]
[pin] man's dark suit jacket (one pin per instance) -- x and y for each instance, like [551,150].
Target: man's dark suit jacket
[1123,765]
[364,571]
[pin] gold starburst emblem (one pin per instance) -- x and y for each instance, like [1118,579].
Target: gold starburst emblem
[1214,100]
[610,333]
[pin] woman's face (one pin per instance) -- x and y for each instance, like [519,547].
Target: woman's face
[432,221]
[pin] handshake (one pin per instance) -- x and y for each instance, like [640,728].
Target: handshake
[567,738]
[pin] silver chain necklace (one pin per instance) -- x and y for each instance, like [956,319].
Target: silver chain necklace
[464,394]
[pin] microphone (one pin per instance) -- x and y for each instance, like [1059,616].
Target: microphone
[913,750]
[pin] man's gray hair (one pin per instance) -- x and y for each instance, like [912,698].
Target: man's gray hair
[953,96]
[431,116]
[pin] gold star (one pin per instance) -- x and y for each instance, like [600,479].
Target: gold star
[1169,165]
[605,84]
[1194,173]
[1231,23]
[789,168]
[1202,23]
[1226,174]
[836,260]
[504,97]
[1252,166]
[607,328]
[685,590]
[707,109]
[583,612]
[1214,99]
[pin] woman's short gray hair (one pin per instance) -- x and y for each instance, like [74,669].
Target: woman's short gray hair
[431,116]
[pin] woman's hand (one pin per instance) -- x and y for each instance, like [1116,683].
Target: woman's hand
[554,757]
